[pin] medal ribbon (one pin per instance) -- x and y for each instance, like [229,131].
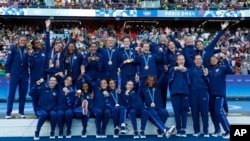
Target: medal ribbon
[146,59]
[110,54]
[152,95]
[128,55]
[115,97]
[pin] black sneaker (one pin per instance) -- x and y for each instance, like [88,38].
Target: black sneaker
[116,133]
[183,133]
[84,134]
[98,135]
[136,135]
[142,135]
[36,137]
[68,134]
[52,135]
[159,133]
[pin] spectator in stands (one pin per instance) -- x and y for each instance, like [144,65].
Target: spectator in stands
[48,96]
[135,107]
[179,93]
[16,69]
[217,94]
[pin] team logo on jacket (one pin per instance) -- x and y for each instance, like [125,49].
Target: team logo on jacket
[54,93]
[43,54]
[217,70]
[74,57]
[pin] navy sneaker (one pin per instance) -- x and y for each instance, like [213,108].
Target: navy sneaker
[68,134]
[116,133]
[84,134]
[136,135]
[142,135]
[52,135]
[60,135]
[183,133]
[36,137]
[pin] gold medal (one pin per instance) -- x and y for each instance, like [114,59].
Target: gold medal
[146,67]
[129,60]
[152,104]
[116,105]
[93,58]
[110,62]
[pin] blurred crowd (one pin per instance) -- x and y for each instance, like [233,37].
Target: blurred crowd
[234,43]
[111,4]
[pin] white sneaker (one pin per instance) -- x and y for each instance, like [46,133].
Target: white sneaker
[21,116]
[60,137]
[7,117]
[170,131]
[36,138]
[217,134]
[196,134]
[206,135]
[226,136]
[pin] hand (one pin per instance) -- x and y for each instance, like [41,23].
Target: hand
[7,75]
[105,93]
[59,74]
[160,49]
[205,71]
[67,61]
[65,90]
[91,96]
[82,69]
[119,91]
[167,31]
[137,78]
[47,23]
[39,81]
[96,58]
[78,93]
[127,92]
[224,25]
[89,59]
[165,67]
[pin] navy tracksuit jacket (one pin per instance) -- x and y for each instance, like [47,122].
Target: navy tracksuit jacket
[17,65]
[179,92]
[217,94]
[46,106]
[199,98]
[135,107]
